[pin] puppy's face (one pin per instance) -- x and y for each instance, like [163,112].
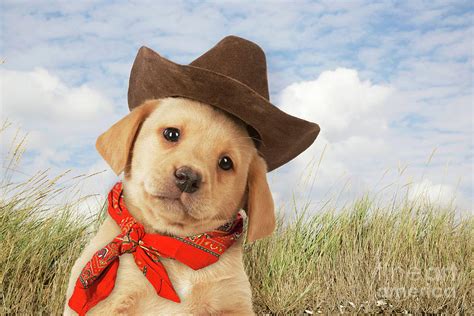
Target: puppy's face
[187,167]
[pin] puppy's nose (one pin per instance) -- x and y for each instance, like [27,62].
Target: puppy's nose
[187,180]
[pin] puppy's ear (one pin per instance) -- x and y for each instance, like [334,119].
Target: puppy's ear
[260,208]
[115,144]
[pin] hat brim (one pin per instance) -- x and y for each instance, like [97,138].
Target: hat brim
[283,136]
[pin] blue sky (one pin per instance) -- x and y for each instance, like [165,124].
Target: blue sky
[389,82]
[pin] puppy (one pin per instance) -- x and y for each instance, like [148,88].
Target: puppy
[151,144]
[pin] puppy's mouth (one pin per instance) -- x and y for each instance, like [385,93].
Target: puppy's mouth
[164,196]
[174,198]
[170,197]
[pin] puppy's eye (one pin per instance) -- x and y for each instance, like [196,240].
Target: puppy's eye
[171,134]
[225,163]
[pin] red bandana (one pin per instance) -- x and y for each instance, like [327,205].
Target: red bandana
[97,279]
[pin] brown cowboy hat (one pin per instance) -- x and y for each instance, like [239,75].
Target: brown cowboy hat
[231,76]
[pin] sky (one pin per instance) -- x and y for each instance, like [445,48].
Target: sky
[390,83]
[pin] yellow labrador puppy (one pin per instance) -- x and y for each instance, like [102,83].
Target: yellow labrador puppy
[153,145]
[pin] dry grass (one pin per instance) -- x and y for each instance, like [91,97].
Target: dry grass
[39,246]
[412,259]
[408,258]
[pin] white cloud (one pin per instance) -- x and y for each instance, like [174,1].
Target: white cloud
[61,121]
[339,100]
[39,95]
[348,110]
[353,128]
[362,148]
[436,194]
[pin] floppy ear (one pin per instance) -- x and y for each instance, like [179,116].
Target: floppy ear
[260,208]
[115,144]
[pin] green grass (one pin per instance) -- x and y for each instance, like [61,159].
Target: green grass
[363,258]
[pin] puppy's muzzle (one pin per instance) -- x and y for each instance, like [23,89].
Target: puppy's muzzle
[187,180]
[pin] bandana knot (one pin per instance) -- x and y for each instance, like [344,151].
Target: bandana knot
[132,235]
[97,278]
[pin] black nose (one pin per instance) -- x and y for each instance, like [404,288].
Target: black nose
[187,180]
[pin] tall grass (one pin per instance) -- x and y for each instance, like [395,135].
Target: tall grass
[39,246]
[368,257]
[40,239]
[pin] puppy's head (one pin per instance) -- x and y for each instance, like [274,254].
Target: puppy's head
[189,168]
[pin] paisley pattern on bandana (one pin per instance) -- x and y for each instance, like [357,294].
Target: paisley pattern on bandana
[97,278]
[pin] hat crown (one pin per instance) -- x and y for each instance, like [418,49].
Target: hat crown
[239,59]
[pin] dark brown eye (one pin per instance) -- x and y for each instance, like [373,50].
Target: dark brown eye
[171,134]
[225,163]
